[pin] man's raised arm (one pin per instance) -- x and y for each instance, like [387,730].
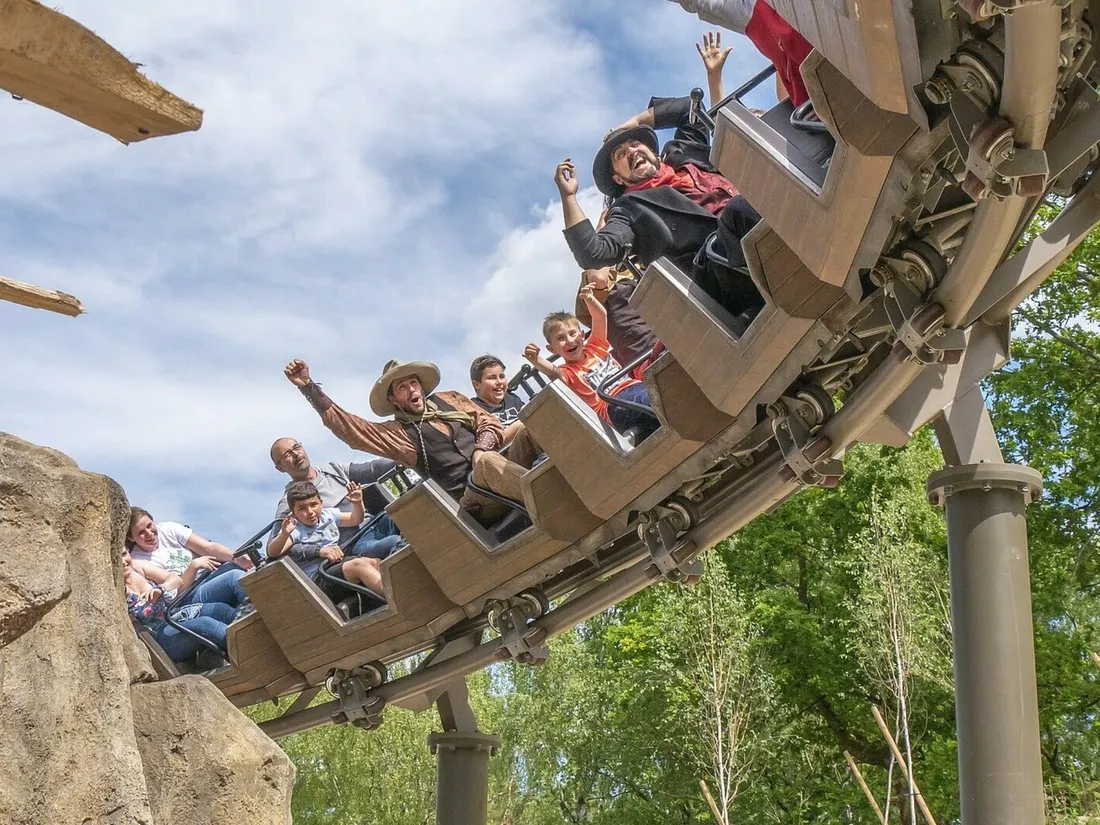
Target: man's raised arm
[385,439]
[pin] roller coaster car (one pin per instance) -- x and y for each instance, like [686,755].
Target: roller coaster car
[869,245]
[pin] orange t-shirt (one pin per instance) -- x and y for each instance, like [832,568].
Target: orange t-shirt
[584,376]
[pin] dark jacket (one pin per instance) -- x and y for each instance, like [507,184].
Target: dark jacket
[659,221]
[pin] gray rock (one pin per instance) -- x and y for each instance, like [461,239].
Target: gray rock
[204,760]
[84,736]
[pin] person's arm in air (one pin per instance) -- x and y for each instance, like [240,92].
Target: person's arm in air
[598,312]
[355,516]
[531,353]
[591,249]
[204,547]
[281,542]
[714,59]
[386,439]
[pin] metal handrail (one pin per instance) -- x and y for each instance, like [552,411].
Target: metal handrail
[484,491]
[743,89]
[615,377]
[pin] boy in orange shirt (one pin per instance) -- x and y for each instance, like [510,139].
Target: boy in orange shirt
[587,364]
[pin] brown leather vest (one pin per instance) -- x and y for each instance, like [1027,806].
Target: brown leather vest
[444,457]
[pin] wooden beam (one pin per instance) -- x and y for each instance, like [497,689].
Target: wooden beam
[34,296]
[921,805]
[52,60]
[863,785]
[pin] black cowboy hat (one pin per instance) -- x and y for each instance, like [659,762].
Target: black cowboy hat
[602,172]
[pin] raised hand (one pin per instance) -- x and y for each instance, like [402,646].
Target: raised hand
[355,493]
[331,553]
[565,177]
[714,56]
[588,296]
[297,372]
[289,523]
[531,352]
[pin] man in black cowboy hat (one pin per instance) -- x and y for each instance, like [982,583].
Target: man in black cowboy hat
[442,435]
[665,203]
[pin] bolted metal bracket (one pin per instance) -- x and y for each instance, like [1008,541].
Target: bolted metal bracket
[357,705]
[995,166]
[804,454]
[659,534]
[980,10]
[985,477]
[518,639]
[919,325]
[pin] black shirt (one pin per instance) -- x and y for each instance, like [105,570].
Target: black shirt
[507,412]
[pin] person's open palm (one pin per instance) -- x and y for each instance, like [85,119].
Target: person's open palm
[714,56]
[355,493]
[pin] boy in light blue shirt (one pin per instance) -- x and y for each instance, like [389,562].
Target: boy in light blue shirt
[311,535]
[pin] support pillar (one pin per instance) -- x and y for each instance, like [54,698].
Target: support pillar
[996,706]
[462,761]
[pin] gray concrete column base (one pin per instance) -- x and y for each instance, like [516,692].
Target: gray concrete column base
[462,782]
[996,706]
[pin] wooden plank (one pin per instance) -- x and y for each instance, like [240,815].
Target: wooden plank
[861,40]
[554,506]
[457,552]
[315,638]
[823,226]
[52,60]
[36,297]
[604,472]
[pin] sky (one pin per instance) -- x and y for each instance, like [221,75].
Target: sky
[371,181]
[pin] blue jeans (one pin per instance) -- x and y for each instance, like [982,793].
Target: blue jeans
[223,585]
[378,541]
[623,419]
[208,620]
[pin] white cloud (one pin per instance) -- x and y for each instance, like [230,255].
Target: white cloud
[372,180]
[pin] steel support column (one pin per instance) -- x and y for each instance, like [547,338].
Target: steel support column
[462,761]
[996,709]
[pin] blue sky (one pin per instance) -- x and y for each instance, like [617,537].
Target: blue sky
[372,180]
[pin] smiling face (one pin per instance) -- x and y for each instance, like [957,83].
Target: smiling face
[308,510]
[633,162]
[144,534]
[407,395]
[492,386]
[567,340]
[127,565]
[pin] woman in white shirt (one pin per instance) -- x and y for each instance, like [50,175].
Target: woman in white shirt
[171,546]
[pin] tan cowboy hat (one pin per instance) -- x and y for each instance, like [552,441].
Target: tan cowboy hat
[396,370]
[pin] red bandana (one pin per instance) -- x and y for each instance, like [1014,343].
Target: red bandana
[709,190]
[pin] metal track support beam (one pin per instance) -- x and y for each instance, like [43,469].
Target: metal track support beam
[996,706]
[462,761]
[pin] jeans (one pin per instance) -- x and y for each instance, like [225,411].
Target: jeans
[378,541]
[208,620]
[223,585]
[624,419]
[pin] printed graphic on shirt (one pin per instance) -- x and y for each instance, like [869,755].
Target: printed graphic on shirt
[603,369]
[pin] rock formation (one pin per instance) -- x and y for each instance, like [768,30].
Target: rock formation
[86,736]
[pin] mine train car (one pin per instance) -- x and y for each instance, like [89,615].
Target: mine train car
[892,208]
